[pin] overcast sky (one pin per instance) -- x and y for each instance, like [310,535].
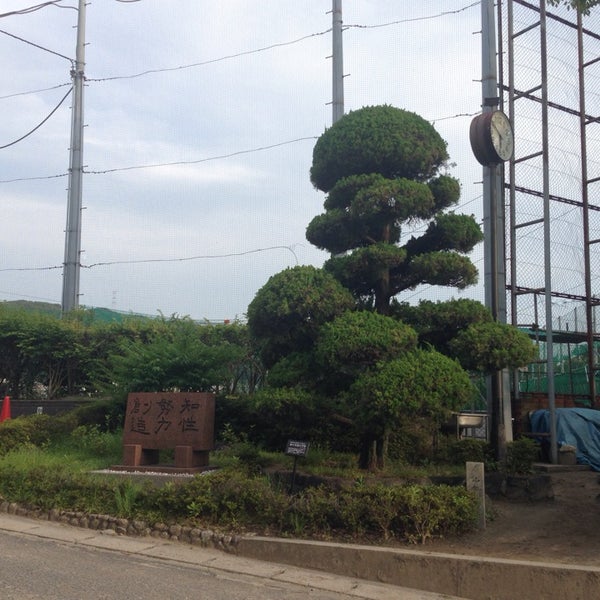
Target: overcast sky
[229,97]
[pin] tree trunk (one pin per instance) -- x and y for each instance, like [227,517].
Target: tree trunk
[368,454]
[383,444]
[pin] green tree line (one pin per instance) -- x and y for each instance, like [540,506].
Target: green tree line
[43,356]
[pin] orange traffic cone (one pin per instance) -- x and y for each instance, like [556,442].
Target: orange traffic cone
[5,412]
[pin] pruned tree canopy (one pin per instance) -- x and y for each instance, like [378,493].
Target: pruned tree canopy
[383,170]
[287,312]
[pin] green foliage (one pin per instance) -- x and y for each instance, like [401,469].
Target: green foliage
[440,510]
[126,497]
[439,322]
[356,341]
[54,486]
[39,348]
[33,431]
[177,360]
[232,498]
[226,498]
[91,438]
[492,346]
[381,166]
[414,513]
[520,456]
[458,452]
[584,6]
[287,312]
[377,139]
[422,383]
[44,355]
[284,413]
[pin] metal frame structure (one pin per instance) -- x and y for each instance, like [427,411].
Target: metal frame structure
[549,80]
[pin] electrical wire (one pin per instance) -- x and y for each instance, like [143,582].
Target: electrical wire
[161,260]
[211,61]
[201,160]
[276,45]
[31,9]
[40,124]
[208,159]
[16,37]
[413,19]
[40,177]
[189,258]
[54,87]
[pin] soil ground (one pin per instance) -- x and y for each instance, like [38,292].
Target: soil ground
[565,529]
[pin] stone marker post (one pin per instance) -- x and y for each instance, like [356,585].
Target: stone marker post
[476,484]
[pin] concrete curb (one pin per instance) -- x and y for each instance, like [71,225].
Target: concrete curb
[213,559]
[463,576]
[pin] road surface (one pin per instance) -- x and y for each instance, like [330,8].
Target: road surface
[50,561]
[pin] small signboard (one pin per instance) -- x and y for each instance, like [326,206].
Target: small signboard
[297,448]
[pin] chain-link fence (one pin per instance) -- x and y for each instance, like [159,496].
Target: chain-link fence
[549,77]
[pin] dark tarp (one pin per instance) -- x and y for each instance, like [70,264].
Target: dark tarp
[579,427]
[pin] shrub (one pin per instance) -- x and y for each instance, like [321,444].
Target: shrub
[90,438]
[520,456]
[225,498]
[458,452]
[436,510]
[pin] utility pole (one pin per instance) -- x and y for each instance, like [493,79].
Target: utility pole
[337,62]
[72,262]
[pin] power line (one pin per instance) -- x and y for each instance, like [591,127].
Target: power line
[40,124]
[34,178]
[211,61]
[276,45]
[30,9]
[54,87]
[201,160]
[161,260]
[190,258]
[413,19]
[16,37]
[208,159]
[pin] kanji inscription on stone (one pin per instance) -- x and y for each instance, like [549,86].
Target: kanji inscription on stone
[169,420]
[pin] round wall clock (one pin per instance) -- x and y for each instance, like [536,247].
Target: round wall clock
[492,139]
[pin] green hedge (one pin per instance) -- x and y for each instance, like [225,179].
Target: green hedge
[234,500]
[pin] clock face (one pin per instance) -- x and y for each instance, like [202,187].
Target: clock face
[502,135]
[492,139]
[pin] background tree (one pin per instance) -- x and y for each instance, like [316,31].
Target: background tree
[177,359]
[383,168]
[584,6]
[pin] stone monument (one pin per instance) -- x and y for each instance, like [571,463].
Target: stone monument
[181,421]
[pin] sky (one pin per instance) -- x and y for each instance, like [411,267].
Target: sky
[200,121]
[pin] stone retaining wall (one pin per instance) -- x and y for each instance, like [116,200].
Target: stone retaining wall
[131,527]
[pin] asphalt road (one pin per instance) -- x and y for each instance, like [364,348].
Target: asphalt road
[51,561]
[37,568]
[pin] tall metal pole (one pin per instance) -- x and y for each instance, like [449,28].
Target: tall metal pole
[337,63]
[498,385]
[71,266]
[547,254]
[586,215]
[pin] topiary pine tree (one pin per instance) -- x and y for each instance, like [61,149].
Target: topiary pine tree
[382,168]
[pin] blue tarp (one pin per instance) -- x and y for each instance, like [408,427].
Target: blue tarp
[579,427]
